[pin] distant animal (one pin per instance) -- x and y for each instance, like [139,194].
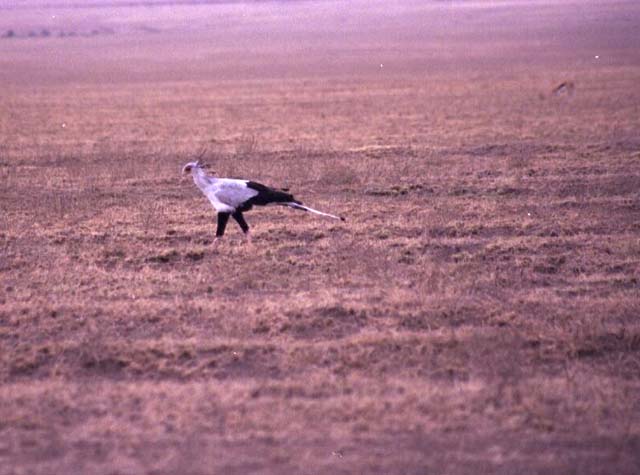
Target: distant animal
[565,86]
[231,197]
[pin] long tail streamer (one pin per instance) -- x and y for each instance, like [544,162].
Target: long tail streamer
[291,204]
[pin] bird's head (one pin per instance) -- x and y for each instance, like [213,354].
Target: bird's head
[191,166]
[196,165]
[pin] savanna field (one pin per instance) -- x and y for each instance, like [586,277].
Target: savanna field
[476,313]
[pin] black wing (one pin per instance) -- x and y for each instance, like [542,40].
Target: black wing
[266,196]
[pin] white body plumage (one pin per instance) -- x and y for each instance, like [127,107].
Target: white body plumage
[225,194]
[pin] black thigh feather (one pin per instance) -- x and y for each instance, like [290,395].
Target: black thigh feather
[241,222]
[222,223]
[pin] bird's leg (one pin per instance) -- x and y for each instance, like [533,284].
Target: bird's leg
[222,224]
[243,225]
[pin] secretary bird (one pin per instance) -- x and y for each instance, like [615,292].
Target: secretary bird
[232,197]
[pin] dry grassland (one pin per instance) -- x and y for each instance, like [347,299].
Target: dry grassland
[477,313]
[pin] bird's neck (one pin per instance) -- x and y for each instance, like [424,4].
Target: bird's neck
[201,179]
